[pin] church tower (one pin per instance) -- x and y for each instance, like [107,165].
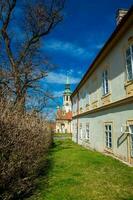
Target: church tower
[66,97]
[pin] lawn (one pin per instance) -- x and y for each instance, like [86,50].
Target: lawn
[62,135]
[76,173]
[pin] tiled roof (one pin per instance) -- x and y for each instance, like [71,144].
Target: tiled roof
[61,115]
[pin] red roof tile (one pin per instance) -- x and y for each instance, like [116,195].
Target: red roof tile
[61,115]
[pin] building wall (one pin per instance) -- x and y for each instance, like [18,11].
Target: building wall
[116,64]
[90,97]
[63,126]
[118,116]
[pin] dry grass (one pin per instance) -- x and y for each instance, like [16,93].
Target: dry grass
[24,142]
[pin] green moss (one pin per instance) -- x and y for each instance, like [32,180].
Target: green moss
[76,173]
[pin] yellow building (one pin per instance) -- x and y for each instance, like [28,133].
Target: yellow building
[102,103]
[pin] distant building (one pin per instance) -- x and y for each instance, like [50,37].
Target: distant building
[64,114]
[102,103]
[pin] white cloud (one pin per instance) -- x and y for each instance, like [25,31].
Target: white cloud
[58,94]
[60,78]
[67,47]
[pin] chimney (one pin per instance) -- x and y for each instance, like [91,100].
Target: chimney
[120,14]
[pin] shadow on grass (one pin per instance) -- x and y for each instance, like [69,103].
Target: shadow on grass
[128,198]
[41,182]
[47,164]
[59,145]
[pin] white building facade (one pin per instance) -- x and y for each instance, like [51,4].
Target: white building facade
[102,103]
[64,113]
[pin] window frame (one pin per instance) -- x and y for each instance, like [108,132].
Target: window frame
[105,82]
[130,48]
[87,135]
[81,132]
[87,98]
[131,140]
[108,135]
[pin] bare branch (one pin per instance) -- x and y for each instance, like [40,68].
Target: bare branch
[26,65]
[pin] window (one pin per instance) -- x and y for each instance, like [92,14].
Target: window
[73,127]
[66,98]
[105,82]
[76,130]
[87,98]
[129,62]
[108,135]
[131,139]
[81,133]
[95,88]
[87,132]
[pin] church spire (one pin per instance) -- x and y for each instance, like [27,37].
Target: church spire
[66,95]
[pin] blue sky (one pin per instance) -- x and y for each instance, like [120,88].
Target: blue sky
[75,42]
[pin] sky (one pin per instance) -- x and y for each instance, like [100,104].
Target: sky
[75,42]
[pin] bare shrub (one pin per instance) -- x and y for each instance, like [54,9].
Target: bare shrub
[24,142]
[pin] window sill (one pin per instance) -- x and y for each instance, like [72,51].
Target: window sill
[128,82]
[129,87]
[95,101]
[108,150]
[86,140]
[81,110]
[106,99]
[74,113]
[87,107]
[106,95]
[94,104]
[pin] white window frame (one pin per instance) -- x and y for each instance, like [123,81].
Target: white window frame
[80,132]
[87,98]
[130,59]
[131,139]
[75,127]
[105,82]
[87,131]
[108,135]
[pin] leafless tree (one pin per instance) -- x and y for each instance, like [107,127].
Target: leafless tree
[21,62]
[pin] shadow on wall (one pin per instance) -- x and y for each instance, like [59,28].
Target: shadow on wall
[121,139]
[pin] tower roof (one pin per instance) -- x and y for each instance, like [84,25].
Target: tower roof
[67,90]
